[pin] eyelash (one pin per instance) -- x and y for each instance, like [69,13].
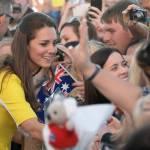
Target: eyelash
[125,63]
[47,43]
[43,44]
[114,68]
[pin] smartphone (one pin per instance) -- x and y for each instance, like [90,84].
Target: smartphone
[97,4]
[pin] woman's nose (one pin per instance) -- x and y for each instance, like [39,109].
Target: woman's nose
[124,69]
[52,48]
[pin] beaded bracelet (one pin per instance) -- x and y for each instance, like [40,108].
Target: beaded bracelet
[93,75]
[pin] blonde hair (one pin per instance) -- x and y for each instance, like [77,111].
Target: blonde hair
[95,46]
[136,74]
[141,113]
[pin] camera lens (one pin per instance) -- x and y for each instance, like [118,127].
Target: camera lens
[138,15]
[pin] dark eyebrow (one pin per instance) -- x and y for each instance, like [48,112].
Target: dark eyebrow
[44,41]
[114,65]
[109,29]
[48,40]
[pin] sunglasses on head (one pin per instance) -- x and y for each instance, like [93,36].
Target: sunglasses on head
[71,44]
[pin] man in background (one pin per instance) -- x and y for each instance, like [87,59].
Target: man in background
[116,33]
[5,12]
[20,9]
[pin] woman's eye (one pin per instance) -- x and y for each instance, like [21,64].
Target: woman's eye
[43,44]
[125,64]
[114,68]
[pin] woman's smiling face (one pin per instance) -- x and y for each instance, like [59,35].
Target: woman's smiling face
[42,48]
[117,66]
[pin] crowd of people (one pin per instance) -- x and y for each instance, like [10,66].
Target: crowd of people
[107,51]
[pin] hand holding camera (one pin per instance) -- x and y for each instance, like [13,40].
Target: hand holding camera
[138,15]
[136,19]
[134,14]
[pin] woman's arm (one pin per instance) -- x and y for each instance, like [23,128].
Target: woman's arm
[33,128]
[67,11]
[122,93]
[19,109]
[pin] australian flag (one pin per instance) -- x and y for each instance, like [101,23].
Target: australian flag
[63,80]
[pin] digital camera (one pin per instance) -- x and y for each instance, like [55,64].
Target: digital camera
[138,15]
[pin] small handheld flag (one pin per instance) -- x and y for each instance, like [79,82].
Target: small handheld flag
[63,80]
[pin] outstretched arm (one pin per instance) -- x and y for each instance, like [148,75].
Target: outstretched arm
[121,93]
[66,13]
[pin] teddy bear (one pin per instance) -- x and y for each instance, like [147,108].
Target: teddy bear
[59,132]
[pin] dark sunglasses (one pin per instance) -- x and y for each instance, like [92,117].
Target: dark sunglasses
[71,44]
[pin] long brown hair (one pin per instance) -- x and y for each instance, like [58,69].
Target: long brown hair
[92,95]
[19,64]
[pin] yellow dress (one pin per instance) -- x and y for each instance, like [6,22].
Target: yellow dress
[12,95]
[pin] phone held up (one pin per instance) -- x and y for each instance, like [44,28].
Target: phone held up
[97,4]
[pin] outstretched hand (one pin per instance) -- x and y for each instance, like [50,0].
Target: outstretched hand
[81,53]
[94,15]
